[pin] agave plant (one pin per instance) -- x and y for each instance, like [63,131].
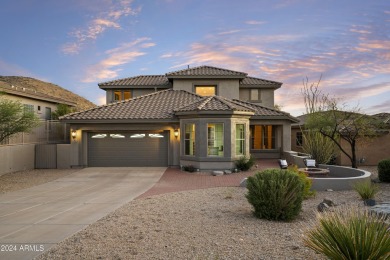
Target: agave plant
[350,233]
[366,189]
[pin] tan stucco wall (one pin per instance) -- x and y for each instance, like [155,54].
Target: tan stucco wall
[225,87]
[373,151]
[63,156]
[36,103]
[267,97]
[17,158]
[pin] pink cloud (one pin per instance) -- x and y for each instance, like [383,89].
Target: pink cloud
[254,22]
[96,27]
[109,67]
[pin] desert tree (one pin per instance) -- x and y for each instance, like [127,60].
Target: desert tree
[61,110]
[336,122]
[14,118]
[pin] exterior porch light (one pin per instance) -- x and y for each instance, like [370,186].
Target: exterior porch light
[73,134]
[176,133]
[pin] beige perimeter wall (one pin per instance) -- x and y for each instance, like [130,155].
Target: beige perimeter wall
[16,158]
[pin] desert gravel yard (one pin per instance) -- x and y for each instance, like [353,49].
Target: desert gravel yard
[25,179]
[215,223]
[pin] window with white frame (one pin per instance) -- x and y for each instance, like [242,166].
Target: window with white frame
[189,139]
[215,138]
[240,139]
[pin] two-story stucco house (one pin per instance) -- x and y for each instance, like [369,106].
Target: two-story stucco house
[204,116]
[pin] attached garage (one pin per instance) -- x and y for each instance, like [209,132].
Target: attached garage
[127,149]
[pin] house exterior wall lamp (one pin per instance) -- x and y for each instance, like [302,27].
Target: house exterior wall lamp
[176,133]
[73,134]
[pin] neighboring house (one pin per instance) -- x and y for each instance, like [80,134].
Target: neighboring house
[204,116]
[43,105]
[368,153]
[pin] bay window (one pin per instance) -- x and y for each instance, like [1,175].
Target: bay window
[215,138]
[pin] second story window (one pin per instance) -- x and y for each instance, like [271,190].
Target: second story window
[255,94]
[206,90]
[120,95]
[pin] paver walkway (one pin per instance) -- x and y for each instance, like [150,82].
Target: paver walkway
[175,180]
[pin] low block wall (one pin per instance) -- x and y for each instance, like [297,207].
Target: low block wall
[17,158]
[295,158]
[342,178]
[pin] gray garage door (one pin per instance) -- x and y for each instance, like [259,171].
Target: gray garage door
[127,149]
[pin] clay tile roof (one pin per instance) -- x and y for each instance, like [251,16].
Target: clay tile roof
[163,104]
[215,103]
[265,111]
[158,105]
[143,80]
[251,81]
[206,71]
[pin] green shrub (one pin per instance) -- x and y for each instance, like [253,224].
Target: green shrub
[366,189]
[384,170]
[275,194]
[320,147]
[189,168]
[245,163]
[307,182]
[349,233]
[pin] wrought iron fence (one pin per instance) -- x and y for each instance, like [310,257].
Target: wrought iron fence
[48,132]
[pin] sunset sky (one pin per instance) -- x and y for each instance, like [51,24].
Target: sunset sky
[79,43]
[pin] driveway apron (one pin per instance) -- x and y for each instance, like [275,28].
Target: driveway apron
[34,219]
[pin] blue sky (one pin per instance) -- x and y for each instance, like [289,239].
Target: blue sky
[79,43]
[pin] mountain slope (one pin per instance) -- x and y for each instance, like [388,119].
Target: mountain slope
[48,89]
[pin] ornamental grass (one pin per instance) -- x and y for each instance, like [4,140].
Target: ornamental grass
[350,233]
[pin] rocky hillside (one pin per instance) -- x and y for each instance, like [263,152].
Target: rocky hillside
[48,89]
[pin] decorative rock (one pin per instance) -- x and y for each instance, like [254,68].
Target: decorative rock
[322,207]
[329,190]
[381,209]
[243,183]
[228,172]
[217,173]
[369,202]
[329,202]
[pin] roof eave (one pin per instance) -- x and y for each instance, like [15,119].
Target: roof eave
[38,97]
[205,76]
[213,112]
[278,117]
[119,121]
[268,86]
[105,87]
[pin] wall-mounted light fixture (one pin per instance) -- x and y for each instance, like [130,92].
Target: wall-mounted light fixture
[73,134]
[176,133]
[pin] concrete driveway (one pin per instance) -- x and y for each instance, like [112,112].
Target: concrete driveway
[35,219]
